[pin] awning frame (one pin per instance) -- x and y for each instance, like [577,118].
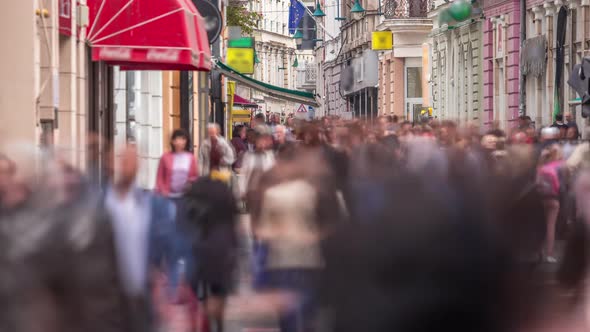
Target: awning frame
[302,97]
[112,47]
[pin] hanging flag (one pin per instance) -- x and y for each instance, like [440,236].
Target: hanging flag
[296,13]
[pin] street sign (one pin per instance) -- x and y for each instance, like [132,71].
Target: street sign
[382,40]
[302,109]
[241,60]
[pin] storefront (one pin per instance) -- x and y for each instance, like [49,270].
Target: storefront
[134,47]
[456,68]
[547,92]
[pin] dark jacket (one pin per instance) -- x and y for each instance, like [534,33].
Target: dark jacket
[58,268]
[208,222]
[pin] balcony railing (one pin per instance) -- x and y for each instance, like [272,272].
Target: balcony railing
[407,8]
[307,76]
[311,74]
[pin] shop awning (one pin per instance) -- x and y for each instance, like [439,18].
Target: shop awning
[241,101]
[147,34]
[302,97]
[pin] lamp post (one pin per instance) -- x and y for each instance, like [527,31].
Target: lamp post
[338,17]
[357,10]
[298,36]
[318,11]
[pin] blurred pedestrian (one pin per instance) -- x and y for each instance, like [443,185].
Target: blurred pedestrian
[289,235]
[57,262]
[216,153]
[251,140]
[143,226]
[177,168]
[257,162]
[208,220]
[239,144]
[549,183]
[560,125]
[282,142]
[571,123]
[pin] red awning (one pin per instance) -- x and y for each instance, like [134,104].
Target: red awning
[147,34]
[243,101]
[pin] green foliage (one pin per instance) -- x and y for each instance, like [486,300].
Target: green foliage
[240,16]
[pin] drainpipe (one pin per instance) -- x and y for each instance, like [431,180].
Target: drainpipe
[522,91]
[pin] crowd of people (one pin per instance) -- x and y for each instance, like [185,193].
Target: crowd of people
[385,225]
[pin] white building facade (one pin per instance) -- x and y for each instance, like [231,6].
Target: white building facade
[277,54]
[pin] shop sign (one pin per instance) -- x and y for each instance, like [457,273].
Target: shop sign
[382,40]
[65,17]
[241,60]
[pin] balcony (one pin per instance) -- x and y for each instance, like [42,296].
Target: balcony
[307,75]
[403,9]
[406,16]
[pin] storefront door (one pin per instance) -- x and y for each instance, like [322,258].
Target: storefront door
[413,89]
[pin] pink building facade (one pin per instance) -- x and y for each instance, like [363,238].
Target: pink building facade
[501,55]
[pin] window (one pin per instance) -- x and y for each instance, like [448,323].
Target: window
[414,82]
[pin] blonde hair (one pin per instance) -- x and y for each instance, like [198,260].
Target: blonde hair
[550,154]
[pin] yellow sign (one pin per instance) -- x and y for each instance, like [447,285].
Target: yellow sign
[241,116]
[382,40]
[231,91]
[241,59]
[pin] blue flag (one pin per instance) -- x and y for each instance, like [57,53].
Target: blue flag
[296,13]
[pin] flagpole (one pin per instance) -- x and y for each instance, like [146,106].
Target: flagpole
[316,21]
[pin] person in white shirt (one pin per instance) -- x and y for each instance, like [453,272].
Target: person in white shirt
[143,227]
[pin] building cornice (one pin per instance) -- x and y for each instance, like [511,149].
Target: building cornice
[406,25]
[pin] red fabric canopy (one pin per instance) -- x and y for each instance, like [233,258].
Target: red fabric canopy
[148,34]
[243,101]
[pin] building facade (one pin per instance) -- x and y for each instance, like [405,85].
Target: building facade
[43,96]
[456,67]
[359,77]
[501,59]
[280,60]
[401,72]
[58,95]
[330,62]
[541,99]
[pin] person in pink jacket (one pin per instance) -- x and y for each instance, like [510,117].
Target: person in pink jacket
[177,168]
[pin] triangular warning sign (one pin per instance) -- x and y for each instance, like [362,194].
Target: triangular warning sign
[302,109]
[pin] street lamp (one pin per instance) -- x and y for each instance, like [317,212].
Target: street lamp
[338,17]
[298,36]
[318,11]
[357,10]
[296,63]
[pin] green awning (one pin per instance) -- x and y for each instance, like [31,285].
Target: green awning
[296,96]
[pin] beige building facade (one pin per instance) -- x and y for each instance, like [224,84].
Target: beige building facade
[43,93]
[401,72]
[52,94]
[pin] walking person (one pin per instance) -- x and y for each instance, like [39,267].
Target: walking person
[177,168]
[216,154]
[208,221]
[257,162]
[143,227]
[239,144]
[549,184]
